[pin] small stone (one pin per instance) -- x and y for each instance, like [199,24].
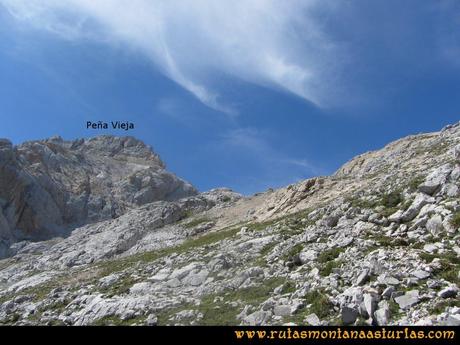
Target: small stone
[409,299]
[109,280]
[196,279]
[140,288]
[435,179]
[173,283]
[278,290]
[414,209]
[396,217]
[456,153]
[369,304]
[152,320]
[363,277]
[420,274]
[452,320]
[307,256]
[128,315]
[448,292]
[382,315]
[349,315]
[244,230]
[312,320]
[433,284]
[282,310]
[387,280]
[430,248]
[388,291]
[434,225]
[257,318]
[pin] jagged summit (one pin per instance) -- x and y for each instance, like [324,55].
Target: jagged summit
[122,148]
[47,186]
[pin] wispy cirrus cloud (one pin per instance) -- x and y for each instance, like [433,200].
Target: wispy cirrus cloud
[259,145]
[272,43]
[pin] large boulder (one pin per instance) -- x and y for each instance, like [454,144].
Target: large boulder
[435,180]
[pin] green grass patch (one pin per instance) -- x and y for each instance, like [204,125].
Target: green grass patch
[386,241]
[329,254]
[11,319]
[165,315]
[388,211]
[326,269]
[449,265]
[455,221]
[267,248]
[392,199]
[120,287]
[440,307]
[426,257]
[116,321]
[217,314]
[288,287]
[415,182]
[196,222]
[118,265]
[55,306]
[362,203]
[298,318]
[255,294]
[389,201]
[395,311]
[293,221]
[261,260]
[260,226]
[319,303]
[295,250]
[221,312]
[450,273]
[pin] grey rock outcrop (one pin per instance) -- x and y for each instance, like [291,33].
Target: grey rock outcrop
[47,187]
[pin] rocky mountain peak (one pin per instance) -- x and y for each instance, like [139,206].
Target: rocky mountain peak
[49,186]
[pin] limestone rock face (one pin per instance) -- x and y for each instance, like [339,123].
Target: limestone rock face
[50,186]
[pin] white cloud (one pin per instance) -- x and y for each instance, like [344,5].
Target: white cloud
[274,167]
[257,143]
[272,43]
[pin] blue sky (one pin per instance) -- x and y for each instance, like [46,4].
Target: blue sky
[245,94]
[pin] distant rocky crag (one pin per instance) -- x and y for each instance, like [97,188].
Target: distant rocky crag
[51,186]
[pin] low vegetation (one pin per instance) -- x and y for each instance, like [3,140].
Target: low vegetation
[455,221]
[329,254]
[222,309]
[415,182]
[196,222]
[319,303]
[327,268]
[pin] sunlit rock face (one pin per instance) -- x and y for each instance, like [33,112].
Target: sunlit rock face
[50,186]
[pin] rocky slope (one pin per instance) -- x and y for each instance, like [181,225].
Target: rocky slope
[375,243]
